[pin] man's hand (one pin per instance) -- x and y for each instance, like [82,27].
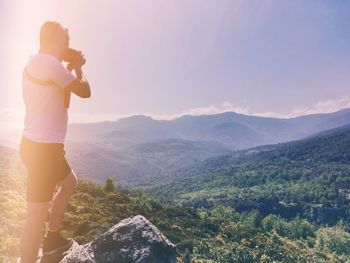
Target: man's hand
[77,62]
[80,86]
[79,73]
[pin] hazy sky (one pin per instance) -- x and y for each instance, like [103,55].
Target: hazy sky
[166,58]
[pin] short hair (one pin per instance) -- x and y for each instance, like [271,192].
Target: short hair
[49,32]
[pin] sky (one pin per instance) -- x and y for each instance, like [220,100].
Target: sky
[168,58]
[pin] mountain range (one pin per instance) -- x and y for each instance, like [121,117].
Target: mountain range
[139,150]
[233,130]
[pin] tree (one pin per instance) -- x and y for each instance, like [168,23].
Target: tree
[187,256]
[333,239]
[109,186]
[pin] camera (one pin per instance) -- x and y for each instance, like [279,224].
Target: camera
[71,57]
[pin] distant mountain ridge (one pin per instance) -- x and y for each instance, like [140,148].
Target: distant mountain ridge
[139,164]
[235,131]
[139,150]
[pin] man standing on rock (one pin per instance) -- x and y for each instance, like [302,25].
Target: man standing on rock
[47,86]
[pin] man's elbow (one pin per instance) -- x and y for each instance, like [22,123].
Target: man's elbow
[87,91]
[87,95]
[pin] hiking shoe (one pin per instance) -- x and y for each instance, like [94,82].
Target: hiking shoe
[54,242]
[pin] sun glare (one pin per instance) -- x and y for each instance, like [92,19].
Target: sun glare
[25,20]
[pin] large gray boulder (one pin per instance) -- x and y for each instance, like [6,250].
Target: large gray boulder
[133,239]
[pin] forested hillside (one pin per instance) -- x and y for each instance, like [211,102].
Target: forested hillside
[217,235]
[283,203]
[309,177]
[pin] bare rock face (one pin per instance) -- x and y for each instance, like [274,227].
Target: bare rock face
[133,239]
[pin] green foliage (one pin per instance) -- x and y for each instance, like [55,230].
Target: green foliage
[12,214]
[201,235]
[333,239]
[217,235]
[307,178]
[187,256]
[109,186]
[295,229]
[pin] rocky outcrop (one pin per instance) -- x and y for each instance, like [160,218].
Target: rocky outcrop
[134,239]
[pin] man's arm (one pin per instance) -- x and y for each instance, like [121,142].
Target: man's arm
[80,86]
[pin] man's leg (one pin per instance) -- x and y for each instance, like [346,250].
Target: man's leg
[32,231]
[60,200]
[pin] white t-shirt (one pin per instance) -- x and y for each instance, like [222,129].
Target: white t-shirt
[46,117]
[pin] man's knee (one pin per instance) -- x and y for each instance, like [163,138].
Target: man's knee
[74,178]
[69,182]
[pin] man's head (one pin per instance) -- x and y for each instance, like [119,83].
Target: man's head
[54,39]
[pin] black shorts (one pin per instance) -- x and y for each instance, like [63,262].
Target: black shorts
[46,166]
